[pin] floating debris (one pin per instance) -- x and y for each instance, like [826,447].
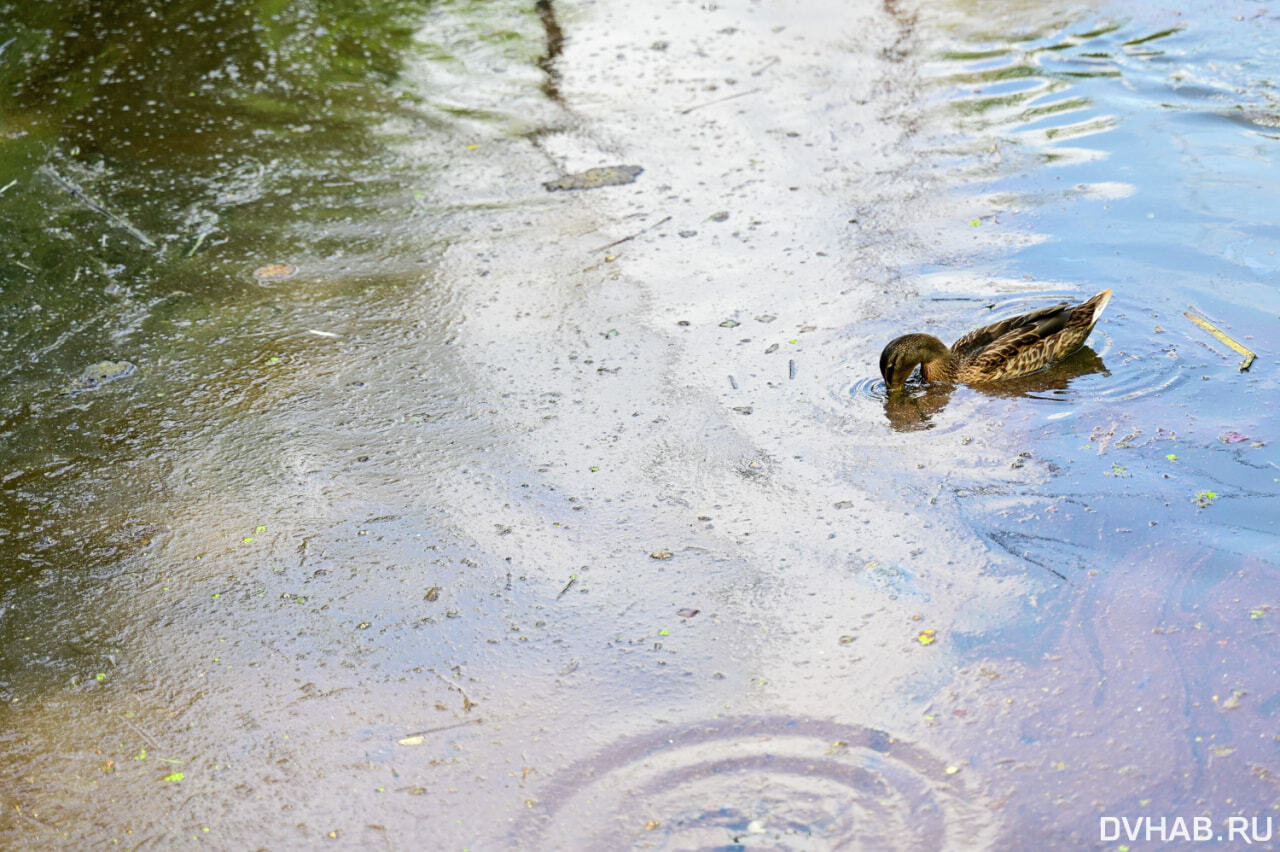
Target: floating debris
[275,272]
[80,195]
[1233,437]
[1247,354]
[595,178]
[611,258]
[688,110]
[730,323]
[96,375]
[661,554]
[1232,701]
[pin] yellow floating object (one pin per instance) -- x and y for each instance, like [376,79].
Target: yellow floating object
[1247,353]
[275,272]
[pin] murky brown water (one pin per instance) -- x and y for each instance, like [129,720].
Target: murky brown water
[579,519]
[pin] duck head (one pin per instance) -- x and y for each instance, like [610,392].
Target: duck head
[903,354]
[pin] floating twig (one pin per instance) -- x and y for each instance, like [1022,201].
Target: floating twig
[688,110]
[791,368]
[661,221]
[573,581]
[467,703]
[115,219]
[765,67]
[196,246]
[415,738]
[1247,354]
[155,746]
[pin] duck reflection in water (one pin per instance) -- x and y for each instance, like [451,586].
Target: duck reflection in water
[912,408]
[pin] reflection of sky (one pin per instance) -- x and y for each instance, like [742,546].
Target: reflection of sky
[1187,131]
[468,427]
[1154,174]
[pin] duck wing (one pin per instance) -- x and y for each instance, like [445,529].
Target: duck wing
[1029,342]
[1037,325]
[1021,351]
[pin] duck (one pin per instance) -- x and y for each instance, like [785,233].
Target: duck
[1007,349]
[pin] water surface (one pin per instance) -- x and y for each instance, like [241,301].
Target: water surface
[527,519]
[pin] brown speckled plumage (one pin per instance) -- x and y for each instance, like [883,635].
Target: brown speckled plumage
[1004,350]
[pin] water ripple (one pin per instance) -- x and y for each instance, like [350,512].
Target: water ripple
[767,782]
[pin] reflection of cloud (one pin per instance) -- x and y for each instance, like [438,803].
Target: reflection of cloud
[1106,190]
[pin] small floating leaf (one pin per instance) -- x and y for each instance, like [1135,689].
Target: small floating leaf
[174,776]
[927,637]
[96,375]
[275,272]
[595,178]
